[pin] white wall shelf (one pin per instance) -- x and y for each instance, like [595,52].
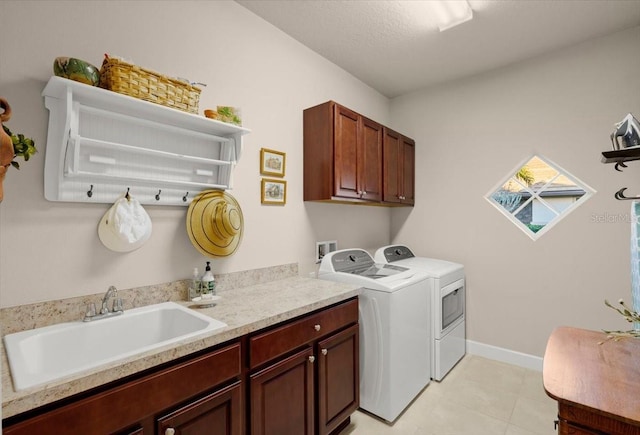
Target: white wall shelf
[106,143]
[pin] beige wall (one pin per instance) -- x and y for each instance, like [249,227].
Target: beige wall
[471,133]
[51,250]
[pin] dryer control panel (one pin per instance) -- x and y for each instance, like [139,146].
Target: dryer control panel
[396,253]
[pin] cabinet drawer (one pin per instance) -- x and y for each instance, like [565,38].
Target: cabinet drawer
[122,406]
[276,342]
[565,428]
[573,418]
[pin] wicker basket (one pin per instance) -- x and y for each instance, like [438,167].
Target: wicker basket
[134,81]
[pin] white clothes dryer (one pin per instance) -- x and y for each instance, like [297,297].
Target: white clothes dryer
[448,304]
[395,329]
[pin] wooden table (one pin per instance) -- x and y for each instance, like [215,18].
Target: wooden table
[597,386]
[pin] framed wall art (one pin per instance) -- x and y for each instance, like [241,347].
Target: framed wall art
[273,191]
[272,162]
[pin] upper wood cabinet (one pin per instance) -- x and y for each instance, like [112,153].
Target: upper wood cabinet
[345,159]
[342,155]
[398,168]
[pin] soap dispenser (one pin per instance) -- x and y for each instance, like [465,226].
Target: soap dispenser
[195,285]
[208,281]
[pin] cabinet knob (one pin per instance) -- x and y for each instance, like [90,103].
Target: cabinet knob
[170,431]
[324,351]
[316,327]
[312,358]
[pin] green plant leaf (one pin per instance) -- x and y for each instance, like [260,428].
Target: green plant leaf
[22,146]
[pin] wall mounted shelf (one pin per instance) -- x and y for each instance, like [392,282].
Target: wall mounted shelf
[101,144]
[617,156]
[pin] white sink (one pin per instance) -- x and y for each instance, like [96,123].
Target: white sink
[42,355]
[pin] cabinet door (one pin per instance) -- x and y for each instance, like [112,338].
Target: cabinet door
[370,160]
[346,153]
[408,170]
[398,168]
[282,397]
[218,413]
[338,379]
[391,177]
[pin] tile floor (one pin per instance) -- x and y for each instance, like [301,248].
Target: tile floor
[478,397]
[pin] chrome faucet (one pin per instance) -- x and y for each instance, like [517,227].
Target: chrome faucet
[112,292]
[116,307]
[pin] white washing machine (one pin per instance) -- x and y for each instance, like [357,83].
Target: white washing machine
[395,329]
[448,344]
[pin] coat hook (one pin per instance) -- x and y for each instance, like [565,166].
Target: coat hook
[127,196]
[620,195]
[184,198]
[618,165]
[158,194]
[90,192]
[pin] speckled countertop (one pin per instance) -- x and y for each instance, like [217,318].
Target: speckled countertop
[244,310]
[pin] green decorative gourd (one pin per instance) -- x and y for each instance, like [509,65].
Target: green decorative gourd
[77,70]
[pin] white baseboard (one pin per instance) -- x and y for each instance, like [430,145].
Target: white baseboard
[504,355]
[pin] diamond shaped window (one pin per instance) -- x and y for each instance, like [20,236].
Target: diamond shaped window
[537,195]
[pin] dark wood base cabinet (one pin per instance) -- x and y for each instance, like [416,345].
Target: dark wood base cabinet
[136,407]
[297,378]
[305,374]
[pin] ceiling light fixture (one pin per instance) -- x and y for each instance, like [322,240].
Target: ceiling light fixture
[450,13]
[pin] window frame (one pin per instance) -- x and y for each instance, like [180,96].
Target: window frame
[537,194]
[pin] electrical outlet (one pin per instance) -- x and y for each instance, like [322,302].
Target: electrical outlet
[323,248]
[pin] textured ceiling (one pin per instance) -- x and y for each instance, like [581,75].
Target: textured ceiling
[396,48]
